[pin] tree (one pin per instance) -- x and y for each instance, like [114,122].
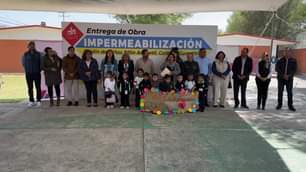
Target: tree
[172,19]
[292,19]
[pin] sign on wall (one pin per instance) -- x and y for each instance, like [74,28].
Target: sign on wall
[159,39]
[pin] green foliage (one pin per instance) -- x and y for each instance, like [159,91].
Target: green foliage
[293,12]
[172,19]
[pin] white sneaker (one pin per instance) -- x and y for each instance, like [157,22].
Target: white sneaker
[30,104]
[121,107]
[128,107]
[38,104]
[112,106]
[107,107]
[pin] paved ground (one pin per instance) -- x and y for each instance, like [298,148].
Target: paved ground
[76,139]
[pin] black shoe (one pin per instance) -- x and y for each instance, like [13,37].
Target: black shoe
[76,103]
[206,105]
[236,106]
[88,104]
[263,108]
[69,103]
[258,107]
[95,105]
[292,108]
[278,107]
[58,102]
[245,107]
[215,106]
[221,106]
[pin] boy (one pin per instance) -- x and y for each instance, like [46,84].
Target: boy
[137,81]
[155,81]
[166,85]
[190,83]
[125,88]
[145,83]
[202,88]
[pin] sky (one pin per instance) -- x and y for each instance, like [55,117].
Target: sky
[13,18]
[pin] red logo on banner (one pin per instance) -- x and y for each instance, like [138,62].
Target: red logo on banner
[72,34]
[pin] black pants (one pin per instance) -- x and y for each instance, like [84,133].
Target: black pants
[202,101]
[262,92]
[57,91]
[137,98]
[242,85]
[91,91]
[206,80]
[36,79]
[125,99]
[289,86]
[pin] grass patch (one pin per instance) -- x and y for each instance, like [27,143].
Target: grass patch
[13,88]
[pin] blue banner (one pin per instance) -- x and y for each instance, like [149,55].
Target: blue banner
[141,42]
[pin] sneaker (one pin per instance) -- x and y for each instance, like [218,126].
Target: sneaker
[112,106]
[221,106]
[30,104]
[69,103]
[95,105]
[38,104]
[215,106]
[88,104]
[76,103]
[128,107]
[236,106]
[107,107]
[121,107]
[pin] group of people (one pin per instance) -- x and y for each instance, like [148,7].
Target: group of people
[123,78]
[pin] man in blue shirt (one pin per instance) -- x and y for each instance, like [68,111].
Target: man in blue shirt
[31,62]
[205,67]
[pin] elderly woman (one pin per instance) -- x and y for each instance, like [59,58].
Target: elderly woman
[220,69]
[52,66]
[263,78]
[171,65]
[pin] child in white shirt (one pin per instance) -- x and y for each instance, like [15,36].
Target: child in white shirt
[109,90]
[190,83]
[137,81]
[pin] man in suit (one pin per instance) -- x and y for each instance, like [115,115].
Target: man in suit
[286,68]
[242,68]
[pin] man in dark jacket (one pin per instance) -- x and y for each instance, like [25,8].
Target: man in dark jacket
[286,68]
[190,66]
[242,68]
[31,62]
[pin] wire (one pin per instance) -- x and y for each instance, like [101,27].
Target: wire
[263,31]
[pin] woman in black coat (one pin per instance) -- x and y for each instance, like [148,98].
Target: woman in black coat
[263,78]
[126,65]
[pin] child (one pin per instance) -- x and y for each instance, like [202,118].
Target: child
[166,85]
[190,83]
[145,83]
[125,88]
[179,85]
[137,81]
[109,90]
[202,88]
[155,81]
